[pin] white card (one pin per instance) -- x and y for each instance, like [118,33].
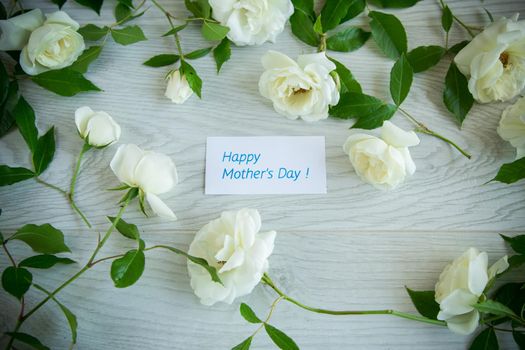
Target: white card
[265,165]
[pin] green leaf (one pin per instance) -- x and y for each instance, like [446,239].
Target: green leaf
[388,33]
[9,176]
[25,120]
[425,57]
[175,30]
[162,60]
[333,13]
[44,261]
[200,8]
[128,35]
[245,345]
[516,261]
[198,53]
[401,77]
[83,61]
[42,238]
[121,11]
[486,340]
[93,32]
[394,3]
[64,82]
[280,339]
[16,281]
[511,295]
[127,3]
[446,19]
[318,27]
[44,151]
[28,339]
[511,172]
[3,12]
[517,243]
[304,6]
[458,47]
[128,230]
[249,314]
[95,5]
[127,270]
[214,31]
[370,111]
[356,7]
[494,307]
[194,81]
[222,53]
[303,28]
[346,78]
[199,261]
[347,40]
[425,302]
[7,119]
[457,97]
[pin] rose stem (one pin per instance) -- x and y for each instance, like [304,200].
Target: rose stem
[267,280]
[424,130]
[86,267]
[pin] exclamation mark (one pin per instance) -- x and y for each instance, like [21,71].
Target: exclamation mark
[307,172]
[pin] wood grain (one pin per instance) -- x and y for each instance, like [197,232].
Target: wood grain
[355,247]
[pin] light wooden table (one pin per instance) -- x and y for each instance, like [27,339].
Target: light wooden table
[355,247]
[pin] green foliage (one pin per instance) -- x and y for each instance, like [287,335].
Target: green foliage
[82,63]
[494,308]
[16,281]
[425,57]
[64,82]
[457,97]
[388,33]
[517,243]
[245,345]
[175,29]
[214,31]
[280,339]
[125,271]
[401,77]
[42,238]
[194,81]
[486,340]
[222,53]
[128,35]
[44,151]
[349,39]
[425,302]
[162,60]
[511,172]
[25,120]
[199,8]
[248,314]
[394,3]
[346,78]
[302,22]
[370,111]
[458,47]
[128,230]
[198,53]
[44,261]
[28,340]
[356,8]
[446,19]
[92,32]
[95,5]
[9,176]
[333,13]
[7,118]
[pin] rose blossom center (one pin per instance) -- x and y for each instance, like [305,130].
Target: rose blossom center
[300,91]
[504,59]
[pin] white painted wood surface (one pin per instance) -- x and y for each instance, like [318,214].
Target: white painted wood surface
[355,247]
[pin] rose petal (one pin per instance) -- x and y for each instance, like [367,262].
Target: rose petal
[159,207]
[156,173]
[60,17]
[398,137]
[458,302]
[82,116]
[477,274]
[498,267]
[125,162]
[273,59]
[464,324]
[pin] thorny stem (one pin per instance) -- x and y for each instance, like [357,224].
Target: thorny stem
[86,267]
[267,280]
[420,127]
[169,18]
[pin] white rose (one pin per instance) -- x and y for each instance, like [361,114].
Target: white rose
[383,162]
[97,128]
[151,172]
[299,89]
[235,247]
[252,22]
[460,286]
[178,89]
[15,31]
[512,126]
[49,44]
[495,61]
